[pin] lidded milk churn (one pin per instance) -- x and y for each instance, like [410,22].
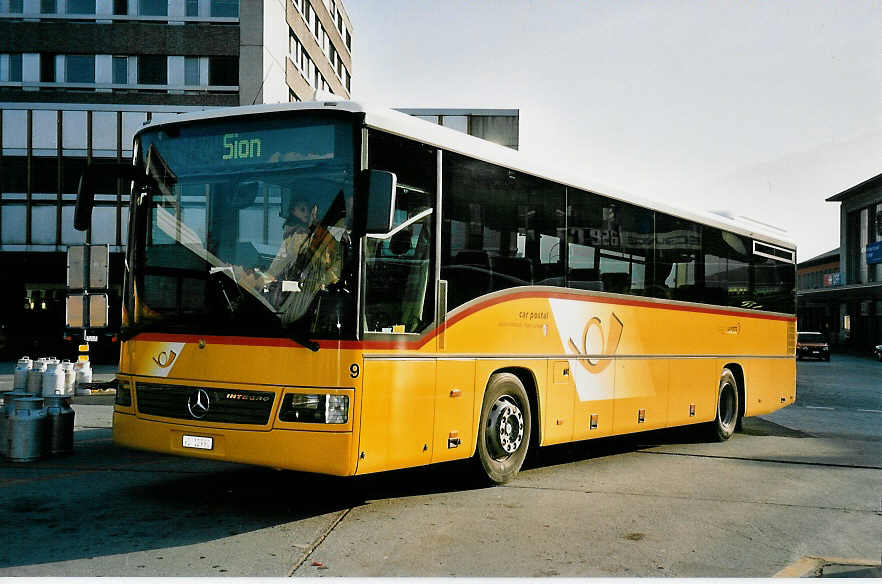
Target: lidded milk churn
[20,377]
[70,377]
[84,375]
[35,377]
[53,379]
[26,429]
[59,427]
[8,398]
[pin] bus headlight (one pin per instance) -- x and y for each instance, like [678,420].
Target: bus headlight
[315,408]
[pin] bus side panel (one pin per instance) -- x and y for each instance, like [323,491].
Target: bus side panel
[692,381]
[397,414]
[771,385]
[454,409]
[641,394]
[558,415]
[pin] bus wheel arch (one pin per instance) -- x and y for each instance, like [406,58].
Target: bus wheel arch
[507,424]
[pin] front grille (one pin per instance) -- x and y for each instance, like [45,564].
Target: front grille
[229,406]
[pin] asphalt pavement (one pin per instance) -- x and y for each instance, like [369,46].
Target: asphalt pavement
[796,493]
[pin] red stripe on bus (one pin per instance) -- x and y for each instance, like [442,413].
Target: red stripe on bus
[419,343]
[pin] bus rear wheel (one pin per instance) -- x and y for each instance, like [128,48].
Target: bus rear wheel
[504,429]
[727,418]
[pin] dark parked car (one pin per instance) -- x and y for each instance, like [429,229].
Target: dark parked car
[812,345]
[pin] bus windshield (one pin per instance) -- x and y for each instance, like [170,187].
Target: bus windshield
[245,228]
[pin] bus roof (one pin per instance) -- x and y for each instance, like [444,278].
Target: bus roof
[436,135]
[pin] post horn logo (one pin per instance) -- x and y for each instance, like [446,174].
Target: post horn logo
[594,344]
[164,359]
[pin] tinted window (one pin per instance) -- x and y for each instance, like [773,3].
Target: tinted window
[811,338]
[81,6]
[678,269]
[152,70]
[47,68]
[501,229]
[727,268]
[153,7]
[610,244]
[121,70]
[774,285]
[228,8]
[79,69]
[223,70]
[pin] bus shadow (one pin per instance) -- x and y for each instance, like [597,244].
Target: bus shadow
[69,510]
[107,501]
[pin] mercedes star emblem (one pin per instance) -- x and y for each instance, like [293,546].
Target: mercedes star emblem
[198,403]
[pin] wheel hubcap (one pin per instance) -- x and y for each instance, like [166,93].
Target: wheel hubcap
[505,428]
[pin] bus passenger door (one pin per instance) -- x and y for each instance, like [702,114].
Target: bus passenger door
[398,397]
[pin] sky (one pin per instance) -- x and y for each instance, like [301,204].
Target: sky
[760,109]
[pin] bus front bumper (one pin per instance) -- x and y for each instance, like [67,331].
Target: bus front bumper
[324,452]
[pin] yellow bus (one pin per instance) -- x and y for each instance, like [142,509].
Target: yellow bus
[333,288]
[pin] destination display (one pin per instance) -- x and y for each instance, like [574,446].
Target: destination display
[220,148]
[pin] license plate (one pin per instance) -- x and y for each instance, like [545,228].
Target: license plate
[200,442]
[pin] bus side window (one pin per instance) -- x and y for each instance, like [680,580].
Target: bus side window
[501,229]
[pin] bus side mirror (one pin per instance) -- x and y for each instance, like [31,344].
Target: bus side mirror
[379,191]
[86,188]
[85,201]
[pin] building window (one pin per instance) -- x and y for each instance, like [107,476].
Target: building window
[16,6]
[191,71]
[79,69]
[15,67]
[120,7]
[192,7]
[47,68]
[223,70]
[153,7]
[81,6]
[225,8]
[120,70]
[152,70]
[48,7]
[348,41]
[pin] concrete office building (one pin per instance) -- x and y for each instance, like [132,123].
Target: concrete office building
[496,125]
[848,304]
[79,77]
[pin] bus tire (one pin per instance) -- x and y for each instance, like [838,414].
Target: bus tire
[504,429]
[727,418]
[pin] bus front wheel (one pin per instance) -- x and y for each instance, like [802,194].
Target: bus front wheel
[504,431]
[723,426]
